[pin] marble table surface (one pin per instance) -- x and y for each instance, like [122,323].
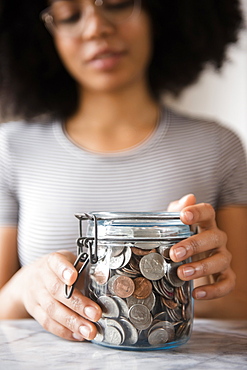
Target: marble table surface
[214,344]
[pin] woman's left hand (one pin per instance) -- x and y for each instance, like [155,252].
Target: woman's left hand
[208,246]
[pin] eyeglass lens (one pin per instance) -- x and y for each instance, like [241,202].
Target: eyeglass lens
[67,15]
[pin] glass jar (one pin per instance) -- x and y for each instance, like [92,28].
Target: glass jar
[131,276]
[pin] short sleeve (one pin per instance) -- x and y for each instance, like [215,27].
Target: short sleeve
[232,169]
[8,199]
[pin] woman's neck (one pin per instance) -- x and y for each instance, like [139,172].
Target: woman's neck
[109,122]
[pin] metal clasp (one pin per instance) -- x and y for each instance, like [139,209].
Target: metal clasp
[90,244]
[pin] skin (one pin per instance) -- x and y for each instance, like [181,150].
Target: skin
[126,115]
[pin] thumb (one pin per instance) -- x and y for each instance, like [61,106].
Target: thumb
[178,205]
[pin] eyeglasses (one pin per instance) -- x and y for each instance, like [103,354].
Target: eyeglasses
[68,17]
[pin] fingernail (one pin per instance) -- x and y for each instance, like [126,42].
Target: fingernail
[77,337]
[67,274]
[188,215]
[188,271]
[85,331]
[200,294]
[179,252]
[90,312]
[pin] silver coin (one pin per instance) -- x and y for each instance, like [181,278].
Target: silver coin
[158,336]
[116,250]
[100,333]
[183,329]
[127,256]
[152,266]
[164,250]
[117,325]
[123,308]
[161,316]
[110,284]
[102,251]
[131,334]
[149,302]
[172,275]
[109,306]
[113,336]
[167,326]
[116,262]
[140,316]
[147,245]
[175,315]
[165,288]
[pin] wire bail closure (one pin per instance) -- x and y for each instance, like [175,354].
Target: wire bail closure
[84,244]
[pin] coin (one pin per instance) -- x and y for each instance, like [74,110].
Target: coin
[127,256]
[140,316]
[101,273]
[172,275]
[142,252]
[117,325]
[181,295]
[166,325]
[149,302]
[123,286]
[143,288]
[164,250]
[122,305]
[116,262]
[152,266]
[116,250]
[169,303]
[131,334]
[157,337]
[109,306]
[100,333]
[113,336]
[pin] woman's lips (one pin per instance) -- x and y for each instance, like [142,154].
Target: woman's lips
[106,61]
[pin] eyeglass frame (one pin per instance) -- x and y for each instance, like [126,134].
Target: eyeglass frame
[50,26]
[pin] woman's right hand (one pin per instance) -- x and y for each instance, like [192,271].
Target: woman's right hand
[43,297]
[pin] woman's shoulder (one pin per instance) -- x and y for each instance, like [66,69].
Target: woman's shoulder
[201,127]
[20,131]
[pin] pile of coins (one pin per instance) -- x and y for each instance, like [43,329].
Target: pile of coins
[144,303]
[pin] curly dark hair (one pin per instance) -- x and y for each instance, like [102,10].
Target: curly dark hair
[187,34]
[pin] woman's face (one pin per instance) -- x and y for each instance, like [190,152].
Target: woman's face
[107,56]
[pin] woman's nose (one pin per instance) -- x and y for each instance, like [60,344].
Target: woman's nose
[96,24]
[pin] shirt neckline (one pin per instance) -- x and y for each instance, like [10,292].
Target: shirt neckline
[75,149]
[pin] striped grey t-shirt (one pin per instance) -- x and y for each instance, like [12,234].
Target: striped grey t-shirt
[45,178]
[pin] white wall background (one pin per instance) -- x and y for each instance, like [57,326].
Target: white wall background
[221,96]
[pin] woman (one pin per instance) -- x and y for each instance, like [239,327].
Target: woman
[95,136]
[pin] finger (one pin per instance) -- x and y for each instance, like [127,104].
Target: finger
[223,286]
[60,263]
[178,205]
[53,326]
[56,311]
[54,281]
[217,263]
[202,214]
[78,303]
[196,244]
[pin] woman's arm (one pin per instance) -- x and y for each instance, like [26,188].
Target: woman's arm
[10,302]
[9,263]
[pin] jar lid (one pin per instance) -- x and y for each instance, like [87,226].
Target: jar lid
[136,225]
